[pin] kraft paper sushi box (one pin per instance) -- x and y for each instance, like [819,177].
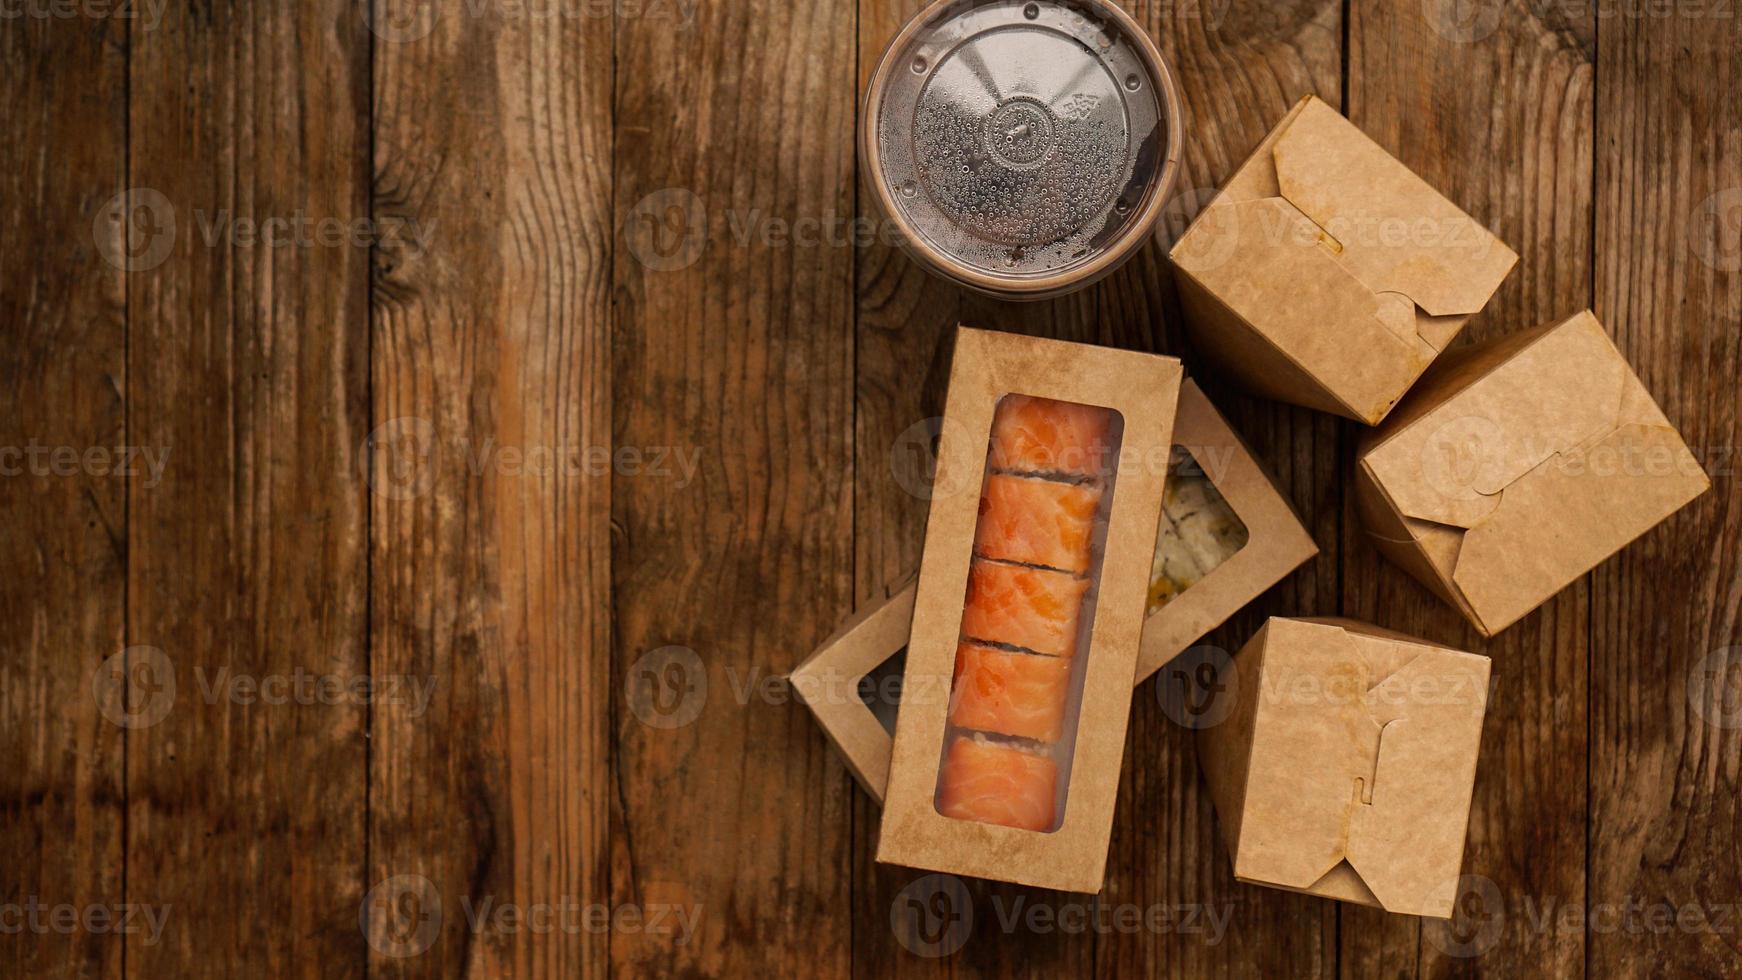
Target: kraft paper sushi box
[1342,762]
[1517,466]
[1327,274]
[1227,535]
[1052,463]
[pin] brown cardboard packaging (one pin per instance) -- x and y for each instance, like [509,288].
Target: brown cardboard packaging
[1326,274]
[1345,764]
[1144,390]
[827,681]
[1517,466]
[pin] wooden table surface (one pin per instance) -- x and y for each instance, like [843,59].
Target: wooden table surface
[527,363]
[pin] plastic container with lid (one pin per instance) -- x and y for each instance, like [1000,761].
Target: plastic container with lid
[1023,148]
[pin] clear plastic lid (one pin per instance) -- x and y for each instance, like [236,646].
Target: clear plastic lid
[1021,140]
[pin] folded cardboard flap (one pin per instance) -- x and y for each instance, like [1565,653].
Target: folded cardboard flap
[1347,768]
[1321,226]
[1279,544]
[828,682]
[1510,483]
[1402,236]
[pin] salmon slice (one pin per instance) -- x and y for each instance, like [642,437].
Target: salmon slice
[999,784]
[1017,694]
[1032,608]
[1037,522]
[1039,435]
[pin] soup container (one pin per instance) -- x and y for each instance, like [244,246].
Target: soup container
[1021,148]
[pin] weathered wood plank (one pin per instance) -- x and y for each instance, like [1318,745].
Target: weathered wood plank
[1241,66]
[904,329]
[734,290]
[1666,666]
[247,361]
[491,533]
[1495,111]
[63,536]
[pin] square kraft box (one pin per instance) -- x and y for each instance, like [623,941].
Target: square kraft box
[1517,466]
[828,680]
[1343,761]
[1067,850]
[1327,274]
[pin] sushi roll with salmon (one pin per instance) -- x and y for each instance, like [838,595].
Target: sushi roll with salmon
[1032,608]
[1008,693]
[1038,522]
[995,783]
[1040,435]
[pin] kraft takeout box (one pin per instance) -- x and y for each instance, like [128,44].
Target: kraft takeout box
[1345,763]
[1143,391]
[1517,466]
[829,680]
[1327,274]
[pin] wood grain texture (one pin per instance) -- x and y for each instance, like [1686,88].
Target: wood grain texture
[1241,66]
[247,362]
[608,412]
[491,543]
[1494,110]
[734,291]
[1666,667]
[64,532]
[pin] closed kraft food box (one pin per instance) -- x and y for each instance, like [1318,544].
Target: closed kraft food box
[852,682]
[1052,461]
[1342,763]
[1519,465]
[1327,274]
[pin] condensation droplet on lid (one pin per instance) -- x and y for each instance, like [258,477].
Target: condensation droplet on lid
[909,188]
[1032,11]
[920,65]
[1133,83]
